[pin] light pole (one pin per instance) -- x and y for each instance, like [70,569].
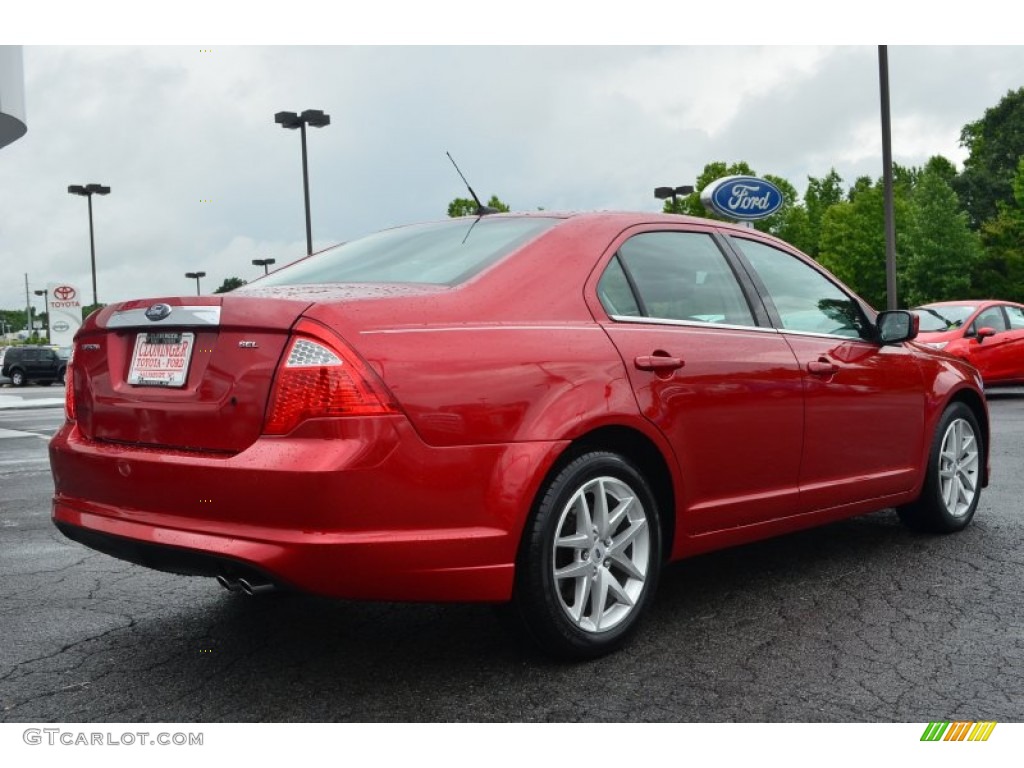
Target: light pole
[663,193]
[265,263]
[87,192]
[887,180]
[46,309]
[317,119]
[195,276]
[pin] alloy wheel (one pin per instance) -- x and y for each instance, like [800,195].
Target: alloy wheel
[601,554]
[958,468]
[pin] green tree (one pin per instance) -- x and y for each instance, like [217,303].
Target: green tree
[11,320]
[88,309]
[995,143]
[941,250]
[852,243]
[795,228]
[229,284]
[1000,271]
[691,205]
[821,194]
[464,206]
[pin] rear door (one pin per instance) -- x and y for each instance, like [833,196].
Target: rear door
[1015,358]
[723,388]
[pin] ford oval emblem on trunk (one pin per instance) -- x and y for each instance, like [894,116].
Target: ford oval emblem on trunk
[158,312]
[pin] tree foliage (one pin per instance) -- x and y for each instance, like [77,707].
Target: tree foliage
[995,143]
[852,242]
[1000,270]
[229,284]
[941,249]
[465,206]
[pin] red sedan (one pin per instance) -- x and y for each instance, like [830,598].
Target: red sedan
[539,410]
[987,334]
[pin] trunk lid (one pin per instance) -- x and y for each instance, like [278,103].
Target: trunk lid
[206,373]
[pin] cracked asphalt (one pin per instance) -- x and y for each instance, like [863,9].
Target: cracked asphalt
[859,621]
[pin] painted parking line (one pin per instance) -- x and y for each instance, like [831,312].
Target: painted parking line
[9,433]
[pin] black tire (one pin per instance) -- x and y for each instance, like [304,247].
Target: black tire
[952,486]
[619,556]
[18,378]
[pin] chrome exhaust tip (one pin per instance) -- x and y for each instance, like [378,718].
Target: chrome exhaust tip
[254,589]
[228,584]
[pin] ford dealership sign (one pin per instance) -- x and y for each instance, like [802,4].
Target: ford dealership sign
[742,198]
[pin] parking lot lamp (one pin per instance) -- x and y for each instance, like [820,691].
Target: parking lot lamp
[265,263]
[663,193]
[45,293]
[290,120]
[87,191]
[195,276]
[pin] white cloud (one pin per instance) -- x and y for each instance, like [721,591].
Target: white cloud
[202,178]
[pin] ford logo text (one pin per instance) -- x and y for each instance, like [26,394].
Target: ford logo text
[742,198]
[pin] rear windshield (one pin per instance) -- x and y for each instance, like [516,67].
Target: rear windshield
[938,319]
[442,253]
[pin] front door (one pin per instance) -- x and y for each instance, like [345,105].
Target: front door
[864,412]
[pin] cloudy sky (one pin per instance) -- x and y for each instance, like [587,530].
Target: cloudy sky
[202,178]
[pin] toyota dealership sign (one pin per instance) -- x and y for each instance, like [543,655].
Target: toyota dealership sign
[65,308]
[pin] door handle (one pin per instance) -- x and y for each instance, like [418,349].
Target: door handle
[823,367]
[660,363]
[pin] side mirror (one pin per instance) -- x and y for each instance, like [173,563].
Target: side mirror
[897,325]
[984,333]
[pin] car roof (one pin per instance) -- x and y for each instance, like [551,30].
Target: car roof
[969,303]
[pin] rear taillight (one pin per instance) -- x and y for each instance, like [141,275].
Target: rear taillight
[70,412]
[320,376]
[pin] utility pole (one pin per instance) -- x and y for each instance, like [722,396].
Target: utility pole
[28,308]
[890,216]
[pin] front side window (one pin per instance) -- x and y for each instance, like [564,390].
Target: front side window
[805,299]
[674,276]
[990,318]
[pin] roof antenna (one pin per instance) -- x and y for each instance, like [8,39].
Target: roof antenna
[481,209]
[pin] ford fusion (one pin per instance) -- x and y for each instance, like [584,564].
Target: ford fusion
[536,410]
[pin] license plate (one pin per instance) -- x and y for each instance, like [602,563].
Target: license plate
[161,359]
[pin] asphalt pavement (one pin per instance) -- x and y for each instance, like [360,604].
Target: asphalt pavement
[31,397]
[859,621]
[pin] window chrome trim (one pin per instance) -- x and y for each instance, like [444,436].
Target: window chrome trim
[787,331]
[690,323]
[180,316]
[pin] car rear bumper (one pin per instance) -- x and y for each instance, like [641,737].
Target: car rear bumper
[370,513]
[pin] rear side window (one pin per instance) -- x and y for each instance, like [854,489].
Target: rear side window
[442,253]
[676,276]
[804,298]
[1016,316]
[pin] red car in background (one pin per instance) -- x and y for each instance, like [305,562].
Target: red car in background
[538,410]
[987,334]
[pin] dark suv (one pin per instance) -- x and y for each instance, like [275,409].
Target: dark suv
[20,365]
